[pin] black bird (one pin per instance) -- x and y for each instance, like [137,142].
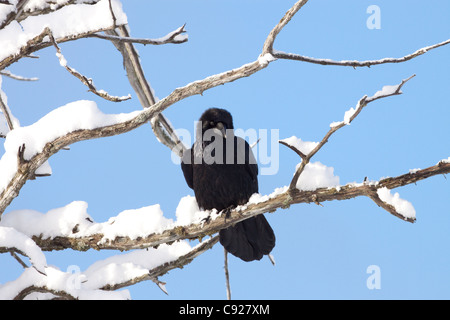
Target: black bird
[222,171]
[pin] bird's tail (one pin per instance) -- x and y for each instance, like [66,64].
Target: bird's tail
[250,239]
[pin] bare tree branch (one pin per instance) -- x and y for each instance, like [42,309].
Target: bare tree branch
[86,81]
[355,63]
[268,44]
[15,256]
[11,75]
[160,125]
[5,112]
[175,37]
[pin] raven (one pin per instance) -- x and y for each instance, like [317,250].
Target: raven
[222,171]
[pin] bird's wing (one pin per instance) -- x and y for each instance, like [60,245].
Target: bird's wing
[187,166]
[246,153]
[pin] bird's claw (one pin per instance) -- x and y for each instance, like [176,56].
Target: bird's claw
[206,220]
[227,212]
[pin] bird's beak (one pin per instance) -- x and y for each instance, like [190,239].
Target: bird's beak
[220,129]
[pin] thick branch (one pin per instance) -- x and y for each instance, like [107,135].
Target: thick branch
[20,14]
[276,201]
[61,295]
[160,125]
[37,43]
[198,87]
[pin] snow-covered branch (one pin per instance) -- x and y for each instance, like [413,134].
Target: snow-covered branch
[103,278]
[53,143]
[349,116]
[14,241]
[26,8]
[21,37]
[71,227]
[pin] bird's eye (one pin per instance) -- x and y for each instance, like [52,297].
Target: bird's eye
[211,123]
[220,125]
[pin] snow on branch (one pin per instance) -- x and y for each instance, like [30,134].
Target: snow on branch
[26,8]
[12,240]
[79,232]
[197,87]
[103,278]
[21,38]
[28,148]
[7,120]
[349,116]
[323,176]
[26,169]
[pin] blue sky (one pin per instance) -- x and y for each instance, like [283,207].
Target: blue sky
[322,252]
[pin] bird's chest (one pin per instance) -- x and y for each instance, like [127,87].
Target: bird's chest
[221,185]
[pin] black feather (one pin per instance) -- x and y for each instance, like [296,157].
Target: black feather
[222,171]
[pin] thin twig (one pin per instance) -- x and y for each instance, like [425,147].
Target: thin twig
[11,75]
[15,256]
[5,112]
[268,44]
[355,63]
[363,102]
[86,81]
[175,37]
[297,151]
[112,15]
